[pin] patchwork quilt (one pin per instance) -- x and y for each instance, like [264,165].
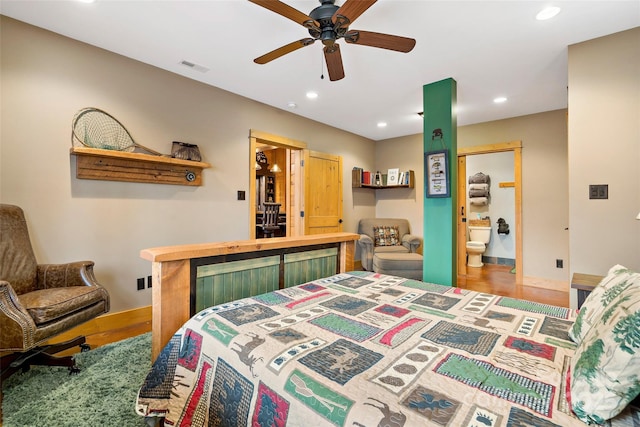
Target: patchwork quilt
[366,349]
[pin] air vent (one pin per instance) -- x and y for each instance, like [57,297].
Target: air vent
[194,66]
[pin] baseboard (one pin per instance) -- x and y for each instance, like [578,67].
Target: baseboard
[553,285]
[109,323]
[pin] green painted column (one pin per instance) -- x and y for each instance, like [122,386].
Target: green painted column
[439,265]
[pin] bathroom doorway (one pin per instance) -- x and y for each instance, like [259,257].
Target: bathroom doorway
[516,186]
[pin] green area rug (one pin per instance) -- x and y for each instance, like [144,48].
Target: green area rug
[103,393]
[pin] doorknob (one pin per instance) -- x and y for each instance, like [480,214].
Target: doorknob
[340,221]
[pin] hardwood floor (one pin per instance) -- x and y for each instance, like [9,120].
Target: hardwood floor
[498,280]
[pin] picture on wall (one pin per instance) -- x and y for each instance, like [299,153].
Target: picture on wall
[392,176]
[437,173]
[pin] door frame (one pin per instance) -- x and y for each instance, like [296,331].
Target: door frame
[291,145]
[516,148]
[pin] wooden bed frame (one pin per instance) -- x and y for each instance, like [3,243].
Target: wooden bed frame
[174,272]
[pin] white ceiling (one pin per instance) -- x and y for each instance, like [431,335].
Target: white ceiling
[491,48]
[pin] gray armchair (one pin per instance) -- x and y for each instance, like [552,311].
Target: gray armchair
[408,242]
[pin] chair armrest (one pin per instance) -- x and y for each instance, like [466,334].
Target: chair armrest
[17,328]
[78,273]
[365,243]
[411,242]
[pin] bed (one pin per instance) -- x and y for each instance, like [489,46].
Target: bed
[367,349]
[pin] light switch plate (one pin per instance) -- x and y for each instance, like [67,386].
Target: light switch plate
[600,191]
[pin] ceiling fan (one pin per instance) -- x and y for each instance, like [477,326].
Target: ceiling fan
[328,23]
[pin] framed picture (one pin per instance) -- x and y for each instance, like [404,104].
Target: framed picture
[436,166]
[392,176]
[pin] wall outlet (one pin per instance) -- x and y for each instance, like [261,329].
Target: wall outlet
[559,263]
[241,195]
[148,281]
[141,283]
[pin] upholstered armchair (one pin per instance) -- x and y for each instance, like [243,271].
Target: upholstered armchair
[385,241]
[39,301]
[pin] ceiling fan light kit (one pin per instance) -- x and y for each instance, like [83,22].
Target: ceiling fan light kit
[329,23]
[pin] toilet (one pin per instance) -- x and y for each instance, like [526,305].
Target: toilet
[477,244]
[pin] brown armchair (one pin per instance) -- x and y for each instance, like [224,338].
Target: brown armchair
[39,301]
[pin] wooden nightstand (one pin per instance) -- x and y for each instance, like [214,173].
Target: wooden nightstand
[584,283]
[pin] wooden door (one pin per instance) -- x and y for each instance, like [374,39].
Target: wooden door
[323,193]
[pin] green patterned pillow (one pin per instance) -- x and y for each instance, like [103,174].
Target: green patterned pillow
[386,236]
[616,281]
[605,369]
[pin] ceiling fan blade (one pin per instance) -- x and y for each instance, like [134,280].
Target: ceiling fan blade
[281,51]
[333,58]
[384,41]
[351,9]
[284,10]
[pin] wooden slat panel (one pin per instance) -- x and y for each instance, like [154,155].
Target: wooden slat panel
[221,283]
[311,265]
[132,171]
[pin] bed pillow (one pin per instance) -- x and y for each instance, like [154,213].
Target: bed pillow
[605,374]
[614,283]
[386,236]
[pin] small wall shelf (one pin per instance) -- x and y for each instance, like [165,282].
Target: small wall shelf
[357,183]
[111,165]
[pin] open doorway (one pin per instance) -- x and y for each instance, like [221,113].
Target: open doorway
[309,186]
[268,182]
[514,185]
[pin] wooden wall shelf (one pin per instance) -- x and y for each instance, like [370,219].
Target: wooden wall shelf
[111,165]
[356,183]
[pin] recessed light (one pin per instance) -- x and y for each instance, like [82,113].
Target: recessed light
[86,1]
[292,104]
[382,124]
[500,100]
[312,95]
[547,13]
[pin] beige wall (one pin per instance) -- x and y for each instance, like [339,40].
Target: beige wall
[406,154]
[604,148]
[544,176]
[46,78]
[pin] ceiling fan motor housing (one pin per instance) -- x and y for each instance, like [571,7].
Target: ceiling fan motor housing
[323,15]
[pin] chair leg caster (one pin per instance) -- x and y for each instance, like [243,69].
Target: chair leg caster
[84,348]
[73,370]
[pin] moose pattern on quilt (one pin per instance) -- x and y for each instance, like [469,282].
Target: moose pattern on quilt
[365,349]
